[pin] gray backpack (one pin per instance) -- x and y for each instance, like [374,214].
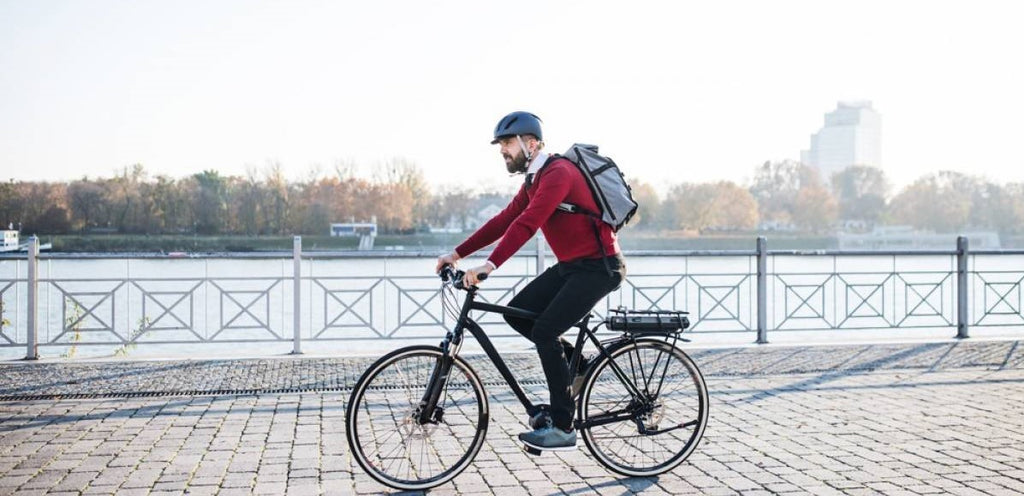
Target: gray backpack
[611,192]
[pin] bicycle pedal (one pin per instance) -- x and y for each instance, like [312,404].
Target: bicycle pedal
[531,450]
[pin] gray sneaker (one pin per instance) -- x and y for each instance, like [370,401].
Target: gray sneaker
[549,438]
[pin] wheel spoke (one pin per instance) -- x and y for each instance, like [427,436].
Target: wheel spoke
[387,439]
[681,403]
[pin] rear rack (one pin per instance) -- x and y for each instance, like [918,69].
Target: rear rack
[648,321]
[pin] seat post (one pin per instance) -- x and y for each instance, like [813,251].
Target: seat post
[582,324]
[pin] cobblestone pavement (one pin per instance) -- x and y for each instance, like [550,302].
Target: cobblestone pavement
[912,420]
[19,379]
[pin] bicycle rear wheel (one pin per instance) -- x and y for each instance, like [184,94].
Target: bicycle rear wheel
[384,433]
[653,433]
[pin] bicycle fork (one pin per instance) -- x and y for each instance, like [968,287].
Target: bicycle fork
[428,411]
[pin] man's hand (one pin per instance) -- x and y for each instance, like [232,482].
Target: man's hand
[448,259]
[472,277]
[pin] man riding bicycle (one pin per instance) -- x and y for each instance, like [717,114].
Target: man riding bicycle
[590,263]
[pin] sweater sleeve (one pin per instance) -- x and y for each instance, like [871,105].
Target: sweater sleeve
[494,228]
[552,188]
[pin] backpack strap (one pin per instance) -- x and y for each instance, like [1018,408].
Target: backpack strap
[576,209]
[594,219]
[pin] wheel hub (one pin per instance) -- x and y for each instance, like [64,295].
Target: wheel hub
[411,428]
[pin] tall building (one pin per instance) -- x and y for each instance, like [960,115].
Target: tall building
[852,135]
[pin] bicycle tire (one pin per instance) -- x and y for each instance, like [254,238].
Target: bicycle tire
[603,390]
[383,401]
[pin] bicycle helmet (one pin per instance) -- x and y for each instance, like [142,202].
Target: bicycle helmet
[517,123]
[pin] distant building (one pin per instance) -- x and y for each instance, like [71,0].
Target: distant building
[852,135]
[10,240]
[354,229]
[365,230]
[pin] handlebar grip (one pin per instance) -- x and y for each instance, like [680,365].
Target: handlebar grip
[448,273]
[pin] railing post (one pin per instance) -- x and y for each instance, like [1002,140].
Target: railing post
[297,296]
[961,287]
[540,253]
[32,334]
[762,290]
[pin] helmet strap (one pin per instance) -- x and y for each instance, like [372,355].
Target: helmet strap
[526,152]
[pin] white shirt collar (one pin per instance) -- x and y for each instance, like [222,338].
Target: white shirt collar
[538,161]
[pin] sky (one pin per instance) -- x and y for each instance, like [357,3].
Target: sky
[674,91]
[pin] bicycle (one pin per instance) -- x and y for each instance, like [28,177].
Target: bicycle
[418,416]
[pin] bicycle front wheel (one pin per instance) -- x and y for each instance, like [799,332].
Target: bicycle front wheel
[651,433]
[383,425]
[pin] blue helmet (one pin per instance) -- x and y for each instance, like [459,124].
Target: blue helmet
[518,123]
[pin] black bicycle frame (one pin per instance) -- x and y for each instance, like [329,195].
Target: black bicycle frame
[453,342]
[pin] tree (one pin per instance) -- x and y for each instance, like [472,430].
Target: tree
[210,202]
[406,175]
[85,198]
[792,193]
[452,206]
[1011,218]
[814,209]
[9,204]
[54,220]
[394,206]
[276,203]
[170,205]
[126,198]
[721,205]
[861,192]
[41,208]
[940,202]
[649,207]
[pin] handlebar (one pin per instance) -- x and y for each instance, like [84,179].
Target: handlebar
[448,273]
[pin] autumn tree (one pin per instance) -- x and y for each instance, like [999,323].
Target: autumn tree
[276,202]
[721,205]
[861,192]
[998,207]
[41,207]
[649,210]
[129,195]
[792,193]
[403,179]
[451,205]
[940,202]
[171,205]
[85,198]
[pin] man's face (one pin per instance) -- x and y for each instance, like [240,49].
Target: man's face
[515,159]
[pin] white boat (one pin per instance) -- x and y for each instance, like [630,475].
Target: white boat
[11,243]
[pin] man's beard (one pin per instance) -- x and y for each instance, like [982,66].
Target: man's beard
[516,164]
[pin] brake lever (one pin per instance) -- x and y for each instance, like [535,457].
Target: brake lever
[449,274]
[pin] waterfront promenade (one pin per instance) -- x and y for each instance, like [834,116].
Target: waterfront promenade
[936,418]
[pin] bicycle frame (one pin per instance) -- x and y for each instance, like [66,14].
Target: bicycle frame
[453,342]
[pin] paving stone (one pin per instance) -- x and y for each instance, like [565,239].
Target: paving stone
[894,419]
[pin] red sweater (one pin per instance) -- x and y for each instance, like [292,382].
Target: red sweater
[571,236]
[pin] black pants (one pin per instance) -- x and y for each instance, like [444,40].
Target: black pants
[562,295]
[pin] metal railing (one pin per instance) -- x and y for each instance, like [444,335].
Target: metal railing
[61,301]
